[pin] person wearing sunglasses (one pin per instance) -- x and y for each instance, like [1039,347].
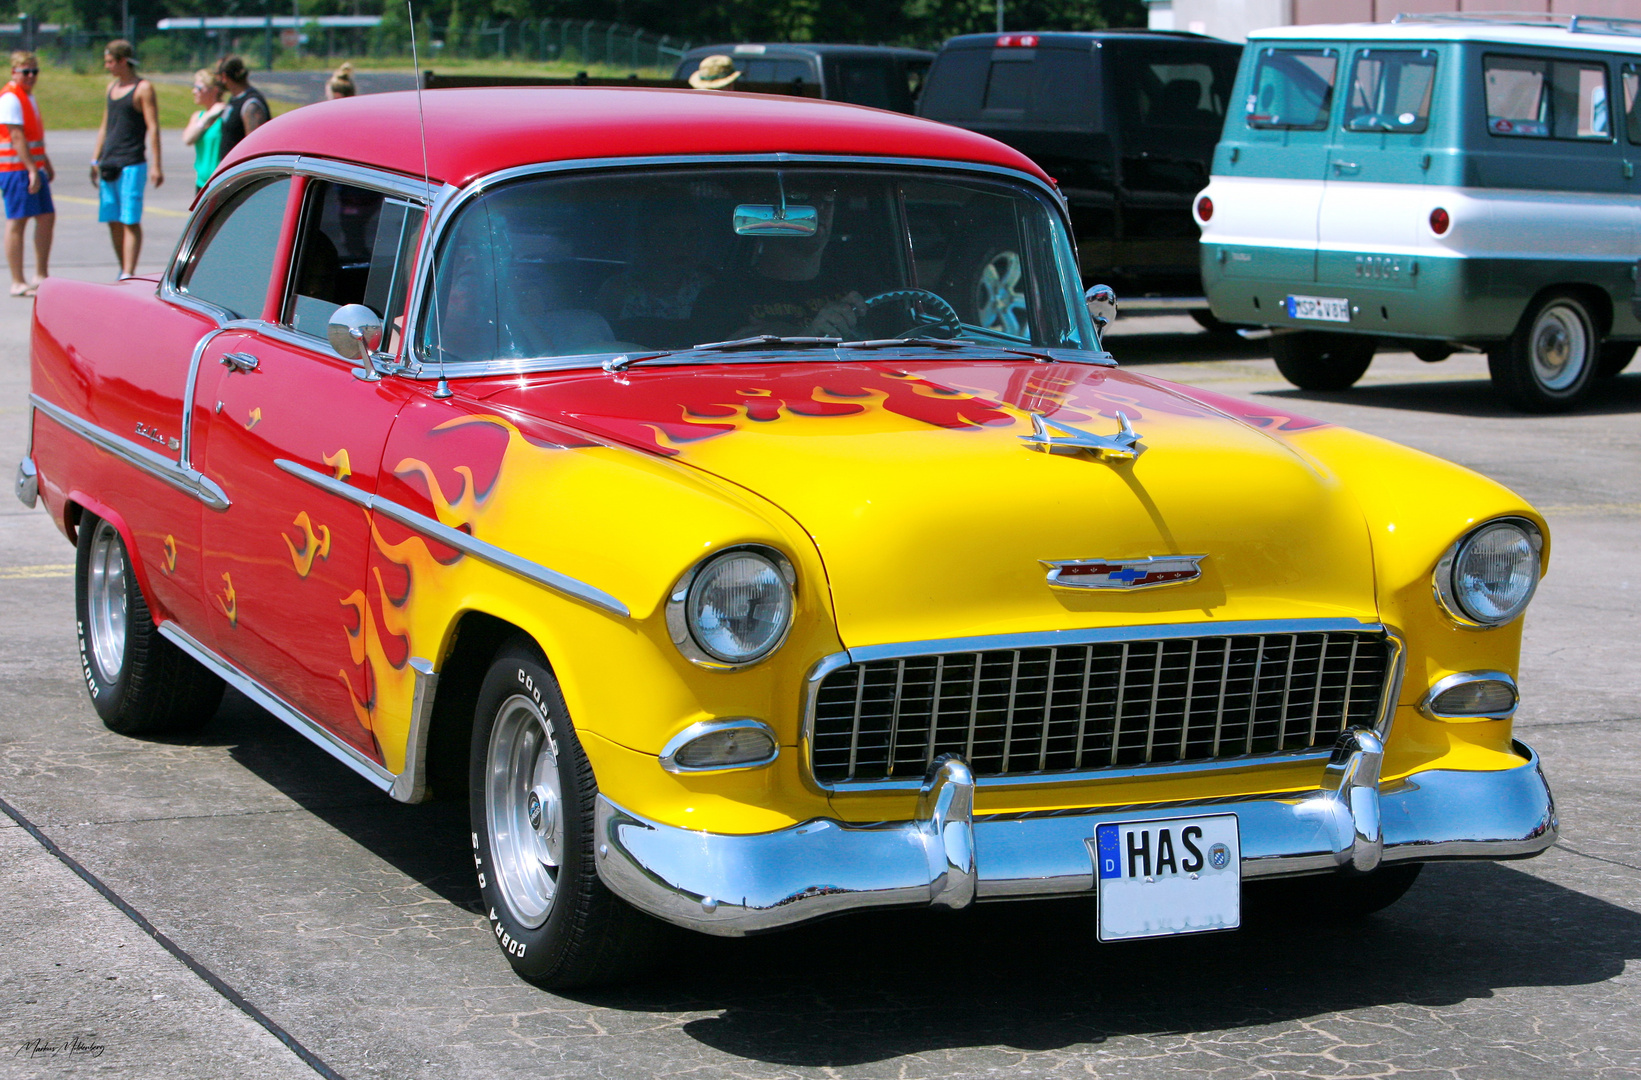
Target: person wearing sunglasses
[25,174]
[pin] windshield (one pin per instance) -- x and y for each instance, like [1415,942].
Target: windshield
[611,263]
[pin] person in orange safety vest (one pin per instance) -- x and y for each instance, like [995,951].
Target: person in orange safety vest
[25,174]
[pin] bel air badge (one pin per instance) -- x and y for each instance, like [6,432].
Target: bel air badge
[1124,445]
[1124,573]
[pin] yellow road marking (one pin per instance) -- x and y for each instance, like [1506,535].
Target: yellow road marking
[17,572]
[162,211]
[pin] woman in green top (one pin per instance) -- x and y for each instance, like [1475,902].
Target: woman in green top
[204,130]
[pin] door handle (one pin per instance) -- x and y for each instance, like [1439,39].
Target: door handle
[240,361]
[1346,166]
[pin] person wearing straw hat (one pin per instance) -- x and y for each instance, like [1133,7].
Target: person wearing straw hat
[716,72]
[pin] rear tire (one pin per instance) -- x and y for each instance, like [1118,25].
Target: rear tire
[1316,360]
[139,682]
[1613,358]
[532,797]
[1549,363]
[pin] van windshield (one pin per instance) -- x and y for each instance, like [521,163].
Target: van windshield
[1292,89]
[623,262]
[1390,90]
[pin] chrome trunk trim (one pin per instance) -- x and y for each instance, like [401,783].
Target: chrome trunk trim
[189,481]
[468,545]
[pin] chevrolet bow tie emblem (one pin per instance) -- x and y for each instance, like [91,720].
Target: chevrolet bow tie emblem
[1124,573]
[1125,445]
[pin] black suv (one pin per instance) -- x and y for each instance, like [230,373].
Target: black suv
[1125,122]
[880,76]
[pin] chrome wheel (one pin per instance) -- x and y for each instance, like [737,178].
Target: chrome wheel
[106,601]
[524,809]
[1000,303]
[1559,347]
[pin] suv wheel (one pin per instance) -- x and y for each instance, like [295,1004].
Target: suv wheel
[1548,364]
[1313,360]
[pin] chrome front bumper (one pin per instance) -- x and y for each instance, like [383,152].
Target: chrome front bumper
[947,857]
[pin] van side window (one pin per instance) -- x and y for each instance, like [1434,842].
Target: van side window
[1293,89]
[1390,90]
[355,248]
[1541,99]
[1632,103]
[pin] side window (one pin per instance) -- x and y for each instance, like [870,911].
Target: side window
[1293,89]
[232,262]
[1535,98]
[355,247]
[1632,104]
[1390,90]
[1171,90]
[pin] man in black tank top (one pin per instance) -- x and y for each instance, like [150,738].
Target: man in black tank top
[120,165]
[247,108]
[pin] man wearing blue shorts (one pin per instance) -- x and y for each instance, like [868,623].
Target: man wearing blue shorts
[120,167]
[25,173]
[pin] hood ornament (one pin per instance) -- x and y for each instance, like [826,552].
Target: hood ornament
[1123,573]
[1125,445]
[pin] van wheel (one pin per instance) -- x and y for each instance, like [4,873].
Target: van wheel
[532,796]
[1313,360]
[1613,358]
[139,682]
[1547,365]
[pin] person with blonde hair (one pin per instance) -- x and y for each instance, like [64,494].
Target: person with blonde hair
[204,129]
[340,84]
[25,173]
[119,165]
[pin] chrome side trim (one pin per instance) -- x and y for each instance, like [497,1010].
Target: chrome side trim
[455,538]
[450,199]
[731,885]
[669,752]
[187,480]
[27,485]
[305,725]
[410,786]
[1441,686]
[1394,670]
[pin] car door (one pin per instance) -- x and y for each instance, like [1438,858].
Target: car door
[286,562]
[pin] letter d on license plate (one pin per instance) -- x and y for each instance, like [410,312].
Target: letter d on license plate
[1179,876]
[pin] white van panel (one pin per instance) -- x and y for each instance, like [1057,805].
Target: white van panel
[1262,212]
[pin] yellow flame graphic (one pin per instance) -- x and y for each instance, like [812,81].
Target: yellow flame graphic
[315,544]
[339,462]
[255,418]
[170,553]
[228,601]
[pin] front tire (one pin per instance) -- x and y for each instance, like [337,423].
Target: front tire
[139,682]
[532,797]
[1549,363]
[1314,360]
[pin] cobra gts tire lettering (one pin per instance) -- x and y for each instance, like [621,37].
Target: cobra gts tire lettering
[85,664]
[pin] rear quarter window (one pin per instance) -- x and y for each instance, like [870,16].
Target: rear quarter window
[1292,89]
[1530,97]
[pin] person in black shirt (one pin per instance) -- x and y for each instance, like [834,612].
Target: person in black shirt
[247,108]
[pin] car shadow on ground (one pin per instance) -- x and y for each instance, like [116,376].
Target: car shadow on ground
[1468,397]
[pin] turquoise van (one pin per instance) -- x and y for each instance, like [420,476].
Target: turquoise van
[1435,184]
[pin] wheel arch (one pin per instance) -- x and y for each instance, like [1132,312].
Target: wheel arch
[474,642]
[1595,299]
[77,505]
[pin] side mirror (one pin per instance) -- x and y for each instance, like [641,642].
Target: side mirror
[1102,305]
[355,331]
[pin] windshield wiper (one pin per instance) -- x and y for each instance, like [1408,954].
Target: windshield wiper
[761,341]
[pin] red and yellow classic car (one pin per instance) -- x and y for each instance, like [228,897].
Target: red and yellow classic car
[731,498]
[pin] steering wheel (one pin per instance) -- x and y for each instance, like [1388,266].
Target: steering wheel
[948,321]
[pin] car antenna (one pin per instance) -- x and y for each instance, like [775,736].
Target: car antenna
[443,389]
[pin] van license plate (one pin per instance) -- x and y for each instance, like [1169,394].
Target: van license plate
[1323,308]
[1158,878]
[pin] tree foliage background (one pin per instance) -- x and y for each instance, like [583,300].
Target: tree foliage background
[914,22]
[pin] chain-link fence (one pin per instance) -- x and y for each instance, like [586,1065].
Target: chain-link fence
[274,41]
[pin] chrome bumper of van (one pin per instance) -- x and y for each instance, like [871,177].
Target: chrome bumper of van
[946,857]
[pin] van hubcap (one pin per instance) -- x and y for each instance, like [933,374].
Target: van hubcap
[523,800]
[1559,347]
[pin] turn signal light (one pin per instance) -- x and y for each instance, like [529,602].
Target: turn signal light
[1439,221]
[1472,695]
[1205,208]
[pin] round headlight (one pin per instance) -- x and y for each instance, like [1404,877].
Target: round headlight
[735,608]
[1488,577]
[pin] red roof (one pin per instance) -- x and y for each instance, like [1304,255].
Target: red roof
[472,132]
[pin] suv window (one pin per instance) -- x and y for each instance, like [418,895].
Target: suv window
[232,262]
[1172,90]
[1390,90]
[355,248]
[1535,98]
[776,71]
[1293,89]
[867,82]
[1632,103]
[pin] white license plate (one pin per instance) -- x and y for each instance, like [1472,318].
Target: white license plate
[1323,308]
[1157,878]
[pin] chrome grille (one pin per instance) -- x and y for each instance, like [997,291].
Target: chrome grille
[1099,705]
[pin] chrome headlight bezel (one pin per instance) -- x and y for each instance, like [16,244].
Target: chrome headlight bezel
[1448,593]
[683,634]
[1428,705]
[682,740]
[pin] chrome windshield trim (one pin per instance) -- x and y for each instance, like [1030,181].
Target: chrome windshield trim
[187,480]
[304,724]
[1391,689]
[451,199]
[468,545]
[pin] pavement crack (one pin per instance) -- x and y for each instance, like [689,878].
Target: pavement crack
[198,817]
[1598,858]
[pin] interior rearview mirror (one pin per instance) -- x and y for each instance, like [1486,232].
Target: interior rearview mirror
[754,219]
